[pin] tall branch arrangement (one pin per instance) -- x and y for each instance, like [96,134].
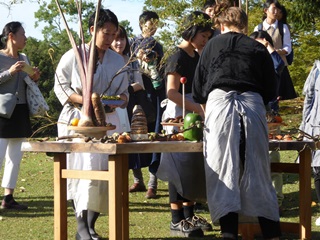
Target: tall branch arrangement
[85,63]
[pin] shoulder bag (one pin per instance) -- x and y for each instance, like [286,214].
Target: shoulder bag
[8,102]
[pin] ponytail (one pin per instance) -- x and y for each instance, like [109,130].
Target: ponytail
[11,27]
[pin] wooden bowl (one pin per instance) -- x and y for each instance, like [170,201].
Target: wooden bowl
[96,132]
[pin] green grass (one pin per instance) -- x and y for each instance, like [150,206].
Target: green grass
[149,219]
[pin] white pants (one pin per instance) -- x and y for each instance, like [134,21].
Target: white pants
[10,148]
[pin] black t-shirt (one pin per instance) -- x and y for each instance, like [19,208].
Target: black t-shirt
[183,64]
[234,61]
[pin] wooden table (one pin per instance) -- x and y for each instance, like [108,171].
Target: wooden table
[117,176]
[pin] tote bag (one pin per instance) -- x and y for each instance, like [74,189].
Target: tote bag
[36,102]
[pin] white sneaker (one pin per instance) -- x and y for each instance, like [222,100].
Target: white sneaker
[318,221]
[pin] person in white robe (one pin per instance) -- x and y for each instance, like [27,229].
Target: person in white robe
[89,197]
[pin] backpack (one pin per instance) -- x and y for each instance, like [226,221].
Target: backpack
[289,57]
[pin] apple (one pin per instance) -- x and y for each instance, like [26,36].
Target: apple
[183,80]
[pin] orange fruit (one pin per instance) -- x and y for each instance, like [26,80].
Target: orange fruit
[74,122]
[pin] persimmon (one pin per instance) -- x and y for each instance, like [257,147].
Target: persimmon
[74,122]
[278,119]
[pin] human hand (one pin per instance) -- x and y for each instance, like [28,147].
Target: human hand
[17,67]
[36,74]
[263,41]
[281,51]
[266,44]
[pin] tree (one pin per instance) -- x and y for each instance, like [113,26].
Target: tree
[47,53]
[127,27]
[303,17]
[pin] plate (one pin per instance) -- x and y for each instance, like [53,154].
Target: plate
[96,132]
[113,102]
[172,124]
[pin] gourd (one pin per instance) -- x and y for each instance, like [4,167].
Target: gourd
[193,127]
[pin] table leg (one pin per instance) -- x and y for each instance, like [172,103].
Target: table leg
[305,194]
[118,198]
[125,197]
[60,198]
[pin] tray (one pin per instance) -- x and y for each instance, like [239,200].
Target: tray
[172,124]
[113,102]
[96,132]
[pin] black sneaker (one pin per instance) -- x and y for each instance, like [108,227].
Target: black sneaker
[13,205]
[185,228]
[199,221]
[200,208]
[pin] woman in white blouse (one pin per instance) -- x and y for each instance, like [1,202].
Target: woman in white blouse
[90,197]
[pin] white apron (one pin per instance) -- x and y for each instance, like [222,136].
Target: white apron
[87,194]
[229,189]
[184,170]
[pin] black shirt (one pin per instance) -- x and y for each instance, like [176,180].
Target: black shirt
[183,64]
[234,61]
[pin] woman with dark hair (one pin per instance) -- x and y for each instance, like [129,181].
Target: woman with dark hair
[89,197]
[281,37]
[121,46]
[233,82]
[185,171]
[15,129]
[282,15]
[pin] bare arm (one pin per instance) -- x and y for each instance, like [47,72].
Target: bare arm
[173,84]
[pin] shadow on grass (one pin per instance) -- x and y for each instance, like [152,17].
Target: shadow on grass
[37,207]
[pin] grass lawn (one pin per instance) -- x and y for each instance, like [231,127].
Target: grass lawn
[149,219]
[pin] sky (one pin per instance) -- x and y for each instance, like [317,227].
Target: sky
[124,9]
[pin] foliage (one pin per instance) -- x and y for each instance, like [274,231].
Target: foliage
[305,35]
[48,13]
[303,18]
[127,27]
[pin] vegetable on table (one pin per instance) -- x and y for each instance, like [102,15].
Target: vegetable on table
[98,109]
[193,127]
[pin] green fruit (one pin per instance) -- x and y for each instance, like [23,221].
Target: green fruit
[193,127]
